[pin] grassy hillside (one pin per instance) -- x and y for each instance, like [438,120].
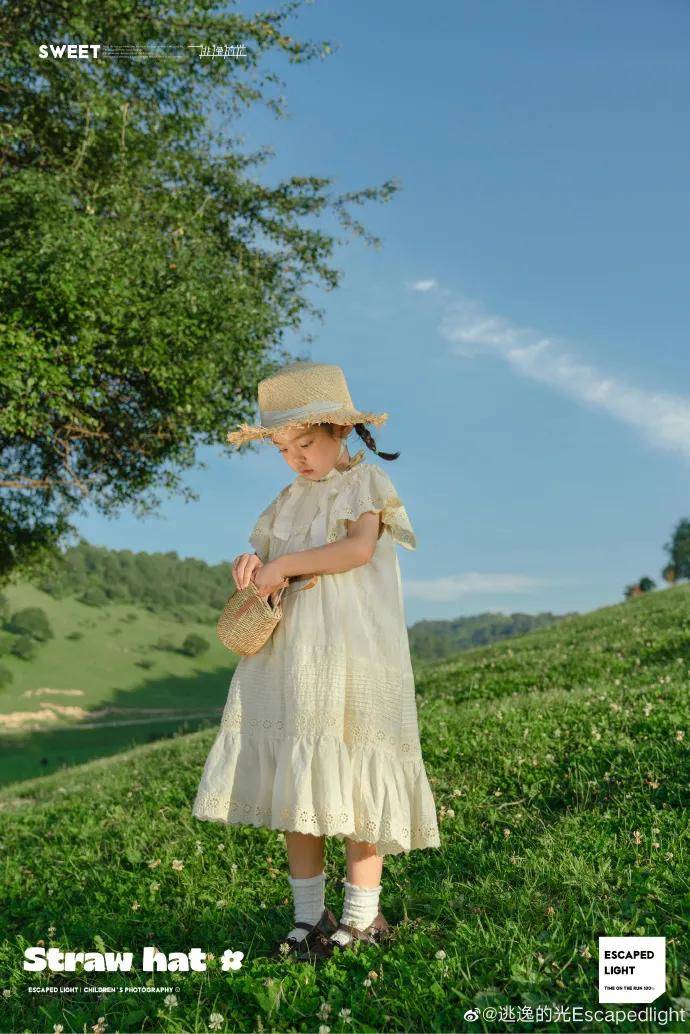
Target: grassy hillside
[189,590]
[103,670]
[560,764]
[114,687]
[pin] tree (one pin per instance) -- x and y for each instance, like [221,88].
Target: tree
[94,597]
[194,645]
[146,280]
[24,647]
[6,676]
[6,641]
[31,621]
[669,574]
[679,549]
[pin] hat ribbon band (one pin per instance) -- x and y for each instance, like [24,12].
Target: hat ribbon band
[272,417]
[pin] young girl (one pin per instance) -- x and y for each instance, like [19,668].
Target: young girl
[319,736]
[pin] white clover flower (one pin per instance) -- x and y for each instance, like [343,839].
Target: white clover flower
[135,906]
[366,982]
[154,863]
[440,954]
[58,1028]
[177,865]
[323,1029]
[215,1021]
[170,1001]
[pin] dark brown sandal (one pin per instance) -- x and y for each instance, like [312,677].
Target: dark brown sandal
[378,932]
[324,927]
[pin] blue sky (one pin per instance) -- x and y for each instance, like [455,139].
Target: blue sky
[526,321]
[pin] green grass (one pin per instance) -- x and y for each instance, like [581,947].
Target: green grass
[560,764]
[104,662]
[103,666]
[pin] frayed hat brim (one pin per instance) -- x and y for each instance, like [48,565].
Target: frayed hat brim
[247,433]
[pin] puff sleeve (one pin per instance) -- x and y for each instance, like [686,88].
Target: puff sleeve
[260,535]
[369,488]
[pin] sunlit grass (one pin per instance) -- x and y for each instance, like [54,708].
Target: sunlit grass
[560,764]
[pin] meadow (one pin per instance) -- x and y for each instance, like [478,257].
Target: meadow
[139,690]
[560,764]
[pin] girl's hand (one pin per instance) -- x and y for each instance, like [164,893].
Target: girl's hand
[243,568]
[268,579]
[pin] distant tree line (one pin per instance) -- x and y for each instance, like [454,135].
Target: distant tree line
[433,640]
[160,582]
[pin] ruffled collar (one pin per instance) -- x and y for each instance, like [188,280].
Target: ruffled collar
[333,472]
[304,505]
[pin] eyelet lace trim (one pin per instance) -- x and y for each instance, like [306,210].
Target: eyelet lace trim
[393,515]
[318,822]
[318,723]
[371,489]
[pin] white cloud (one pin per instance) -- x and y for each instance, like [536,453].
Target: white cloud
[664,419]
[423,285]
[454,587]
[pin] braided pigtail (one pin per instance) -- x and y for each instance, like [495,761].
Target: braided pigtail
[368,440]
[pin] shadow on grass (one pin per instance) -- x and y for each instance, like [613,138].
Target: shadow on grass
[176,705]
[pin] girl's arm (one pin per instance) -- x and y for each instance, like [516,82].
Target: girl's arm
[353,551]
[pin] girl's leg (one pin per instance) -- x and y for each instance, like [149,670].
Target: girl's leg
[364,867]
[307,879]
[305,854]
[362,888]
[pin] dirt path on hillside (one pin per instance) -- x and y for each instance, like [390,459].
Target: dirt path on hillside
[70,716]
[54,692]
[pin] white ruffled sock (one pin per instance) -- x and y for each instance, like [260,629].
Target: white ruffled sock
[360,908]
[309,899]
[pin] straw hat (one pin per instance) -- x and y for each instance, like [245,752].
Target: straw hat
[303,393]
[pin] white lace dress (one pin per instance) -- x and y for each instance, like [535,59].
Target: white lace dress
[319,733]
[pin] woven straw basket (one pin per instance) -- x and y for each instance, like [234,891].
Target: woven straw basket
[248,619]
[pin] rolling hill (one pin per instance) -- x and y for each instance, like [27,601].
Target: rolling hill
[560,763]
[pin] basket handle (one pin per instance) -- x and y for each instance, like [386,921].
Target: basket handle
[310,585]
